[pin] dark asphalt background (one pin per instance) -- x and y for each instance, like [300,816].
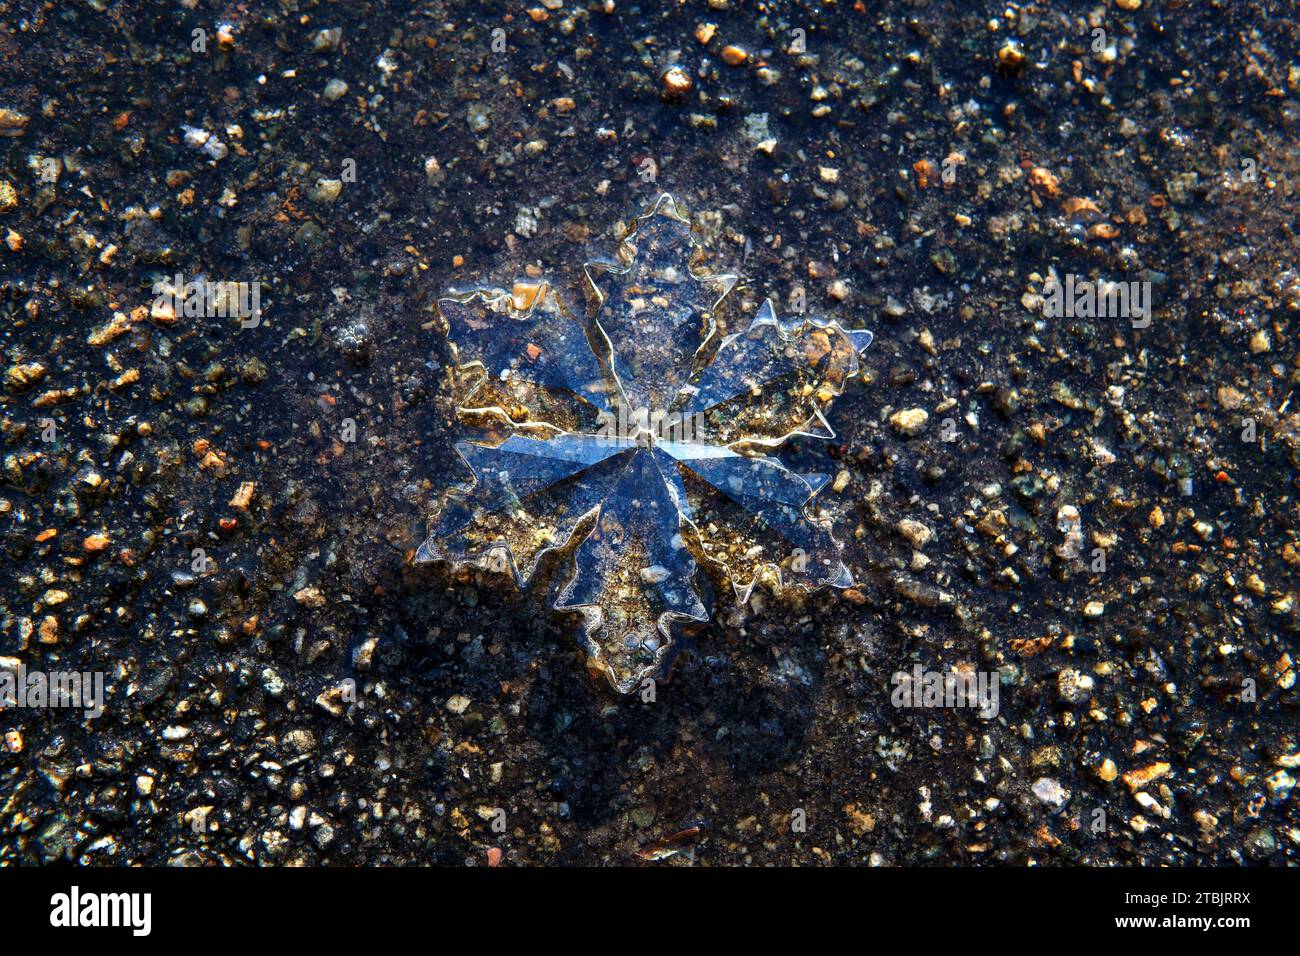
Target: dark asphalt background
[228,737]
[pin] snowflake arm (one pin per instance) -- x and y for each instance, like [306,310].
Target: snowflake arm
[653,310]
[633,577]
[771,381]
[527,496]
[526,358]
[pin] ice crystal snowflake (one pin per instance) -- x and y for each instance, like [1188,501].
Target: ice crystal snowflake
[633,441]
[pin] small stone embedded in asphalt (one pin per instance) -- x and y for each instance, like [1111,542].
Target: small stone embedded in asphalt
[1050,792]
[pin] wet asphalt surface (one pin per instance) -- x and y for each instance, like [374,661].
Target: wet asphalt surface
[920,169]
